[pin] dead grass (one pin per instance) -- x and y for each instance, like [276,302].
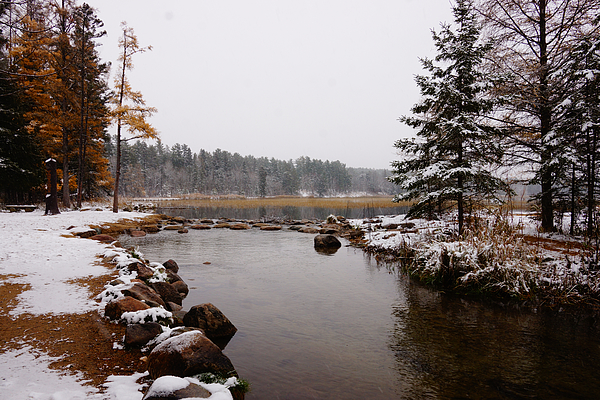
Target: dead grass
[280,201]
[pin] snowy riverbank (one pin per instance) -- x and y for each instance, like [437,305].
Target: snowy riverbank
[41,258]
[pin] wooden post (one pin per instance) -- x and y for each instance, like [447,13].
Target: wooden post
[52,197]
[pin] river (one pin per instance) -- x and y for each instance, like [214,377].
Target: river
[314,326]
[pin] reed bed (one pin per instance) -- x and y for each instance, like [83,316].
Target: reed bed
[241,202]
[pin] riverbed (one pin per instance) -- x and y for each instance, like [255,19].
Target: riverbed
[314,326]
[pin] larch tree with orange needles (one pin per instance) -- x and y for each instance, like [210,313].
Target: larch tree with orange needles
[129,107]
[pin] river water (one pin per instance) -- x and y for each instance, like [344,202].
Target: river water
[314,326]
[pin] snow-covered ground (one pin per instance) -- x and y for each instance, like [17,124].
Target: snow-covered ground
[40,252]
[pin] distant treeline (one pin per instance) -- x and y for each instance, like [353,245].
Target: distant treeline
[151,170]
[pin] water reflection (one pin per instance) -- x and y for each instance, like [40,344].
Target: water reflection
[291,212]
[449,347]
[341,327]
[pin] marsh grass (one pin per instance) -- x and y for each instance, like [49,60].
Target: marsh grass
[241,202]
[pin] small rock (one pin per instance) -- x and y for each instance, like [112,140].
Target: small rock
[239,227]
[200,227]
[115,309]
[143,271]
[142,292]
[327,241]
[138,335]
[270,228]
[181,287]
[102,238]
[211,320]
[171,266]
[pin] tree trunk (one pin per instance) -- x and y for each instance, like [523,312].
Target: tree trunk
[547,211]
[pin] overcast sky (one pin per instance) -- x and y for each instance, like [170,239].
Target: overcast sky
[325,79]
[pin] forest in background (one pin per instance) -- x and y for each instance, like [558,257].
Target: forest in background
[56,102]
[156,170]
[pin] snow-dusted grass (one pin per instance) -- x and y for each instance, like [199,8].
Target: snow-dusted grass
[493,258]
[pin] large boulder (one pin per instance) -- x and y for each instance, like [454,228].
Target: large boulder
[211,320]
[138,335]
[167,292]
[327,242]
[144,293]
[173,387]
[188,354]
[116,308]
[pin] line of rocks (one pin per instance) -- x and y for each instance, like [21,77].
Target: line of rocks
[148,297]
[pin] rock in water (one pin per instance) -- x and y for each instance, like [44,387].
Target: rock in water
[171,266]
[211,320]
[327,242]
[188,354]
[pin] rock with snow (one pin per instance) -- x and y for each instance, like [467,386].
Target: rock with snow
[116,308]
[167,292]
[327,241]
[211,320]
[143,272]
[173,388]
[143,292]
[188,354]
[138,335]
[171,266]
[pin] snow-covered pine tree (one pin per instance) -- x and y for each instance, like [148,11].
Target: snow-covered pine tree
[448,165]
[578,128]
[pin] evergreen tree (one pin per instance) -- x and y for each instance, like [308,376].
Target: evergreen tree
[21,162]
[91,89]
[578,127]
[449,164]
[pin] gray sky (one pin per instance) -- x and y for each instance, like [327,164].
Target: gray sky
[325,79]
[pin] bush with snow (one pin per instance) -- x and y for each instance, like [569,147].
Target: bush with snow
[491,258]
